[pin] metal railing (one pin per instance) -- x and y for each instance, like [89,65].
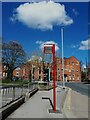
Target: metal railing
[11,93]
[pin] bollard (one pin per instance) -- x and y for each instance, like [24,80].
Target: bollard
[1,91]
[10,89]
[7,90]
[4,91]
[13,93]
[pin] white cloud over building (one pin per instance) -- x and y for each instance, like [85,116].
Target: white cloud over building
[85,45]
[42,15]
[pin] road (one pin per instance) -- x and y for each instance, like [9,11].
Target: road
[82,88]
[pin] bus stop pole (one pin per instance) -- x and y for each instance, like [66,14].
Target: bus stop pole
[54,79]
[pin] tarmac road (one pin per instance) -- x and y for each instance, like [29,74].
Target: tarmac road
[79,87]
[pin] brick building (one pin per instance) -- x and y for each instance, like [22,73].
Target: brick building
[72,69]
[33,68]
[71,65]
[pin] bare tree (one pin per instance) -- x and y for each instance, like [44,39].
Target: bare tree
[13,56]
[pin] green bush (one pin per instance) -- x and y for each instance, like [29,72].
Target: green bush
[5,80]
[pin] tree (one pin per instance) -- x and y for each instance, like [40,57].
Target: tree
[13,56]
[83,76]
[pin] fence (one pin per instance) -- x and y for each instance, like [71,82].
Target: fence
[8,94]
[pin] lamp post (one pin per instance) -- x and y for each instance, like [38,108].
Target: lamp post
[62,38]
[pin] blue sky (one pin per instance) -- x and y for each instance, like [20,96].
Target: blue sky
[75,35]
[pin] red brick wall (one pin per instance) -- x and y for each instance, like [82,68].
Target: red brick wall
[25,71]
[71,67]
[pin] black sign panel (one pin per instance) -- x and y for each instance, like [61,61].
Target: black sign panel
[46,75]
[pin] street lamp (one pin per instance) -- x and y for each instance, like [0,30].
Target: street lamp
[62,38]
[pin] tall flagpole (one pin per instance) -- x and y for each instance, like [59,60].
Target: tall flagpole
[62,36]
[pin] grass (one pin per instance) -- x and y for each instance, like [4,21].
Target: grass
[44,87]
[6,82]
[24,83]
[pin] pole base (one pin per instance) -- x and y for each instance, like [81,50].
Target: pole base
[63,88]
[52,111]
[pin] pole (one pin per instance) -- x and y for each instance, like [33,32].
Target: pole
[54,80]
[62,35]
[49,74]
[86,68]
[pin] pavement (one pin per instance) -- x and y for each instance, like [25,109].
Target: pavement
[70,103]
[36,107]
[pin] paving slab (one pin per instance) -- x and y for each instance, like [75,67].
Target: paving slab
[36,107]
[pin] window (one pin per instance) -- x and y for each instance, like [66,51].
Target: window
[24,71]
[3,74]
[39,70]
[39,77]
[69,77]
[66,69]
[78,78]
[58,61]
[77,63]
[33,76]
[72,70]
[72,63]
[33,70]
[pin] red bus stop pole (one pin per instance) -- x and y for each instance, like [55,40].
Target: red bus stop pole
[54,79]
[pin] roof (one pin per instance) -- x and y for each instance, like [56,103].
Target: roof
[69,58]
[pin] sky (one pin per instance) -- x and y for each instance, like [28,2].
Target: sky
[42,0]
[33,24]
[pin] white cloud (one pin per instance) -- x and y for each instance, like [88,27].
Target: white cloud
[42,15]
[41,44]
[75,11]
[84,66]
[85,45]
[35,57]
[74,46]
